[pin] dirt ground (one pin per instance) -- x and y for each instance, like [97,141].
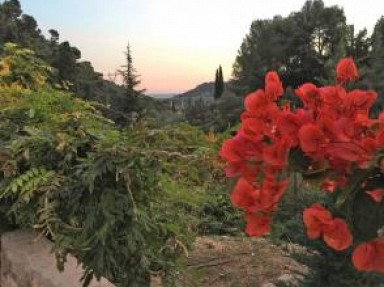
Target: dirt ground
[222,261]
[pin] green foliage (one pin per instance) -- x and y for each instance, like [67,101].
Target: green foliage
[302,47]
[18,27]
[65,62]
[125,203]
[217,116]
[219,216]
[29,182]
[288,225]
[21,66]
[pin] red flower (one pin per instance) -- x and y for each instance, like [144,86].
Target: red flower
[271,193]
[369,256]
[332,96]
[345,126]
[244,195]
[348,151]
[337,235]
[319,222]
[289,125]
[310,137]
[315,218]
[361,119]
[369,144]
[332,130]
[308,94]
[238,151]
[380,138]
[255,101]
[257,225]
[252,127]
[359,101]
[377,194]
[346,70]
[328,185]
[273,86]
[276,154]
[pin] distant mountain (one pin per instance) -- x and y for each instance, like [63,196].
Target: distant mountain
[203,91]
[161,95]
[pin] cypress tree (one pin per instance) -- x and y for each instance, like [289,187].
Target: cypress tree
[219,83]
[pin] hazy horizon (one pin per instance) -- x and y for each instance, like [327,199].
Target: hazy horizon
[176,45]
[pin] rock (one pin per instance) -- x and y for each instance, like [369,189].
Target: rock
[289,279]
[28,261]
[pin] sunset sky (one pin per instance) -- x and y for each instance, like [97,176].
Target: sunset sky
[176,44]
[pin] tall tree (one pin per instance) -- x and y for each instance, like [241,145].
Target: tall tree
[54,36]
[358,45]
[263,49]
[10,11]
[219,83]
[65,61]
[131,83]
[375,75]
[299,47]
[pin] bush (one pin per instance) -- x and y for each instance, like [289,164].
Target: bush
[218,215]
[125,203]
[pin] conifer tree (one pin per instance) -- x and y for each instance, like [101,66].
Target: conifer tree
[219,83]
[131,82]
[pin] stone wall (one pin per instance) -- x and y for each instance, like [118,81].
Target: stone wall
[27,262]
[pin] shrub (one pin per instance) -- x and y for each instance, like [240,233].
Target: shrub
[125,203]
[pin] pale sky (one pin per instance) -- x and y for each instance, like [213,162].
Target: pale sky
[175,44]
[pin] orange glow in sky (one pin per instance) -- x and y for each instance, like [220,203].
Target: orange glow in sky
[175,44]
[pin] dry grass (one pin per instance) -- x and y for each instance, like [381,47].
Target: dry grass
[235,262]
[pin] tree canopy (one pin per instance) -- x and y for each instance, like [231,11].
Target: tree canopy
[302,47]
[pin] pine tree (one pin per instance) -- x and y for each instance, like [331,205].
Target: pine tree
[131,82]
[300,47]
[219,83]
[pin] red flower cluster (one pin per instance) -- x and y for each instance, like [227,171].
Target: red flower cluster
[377,194]
[332,129]
[369,256]
[248,154]
[319,222]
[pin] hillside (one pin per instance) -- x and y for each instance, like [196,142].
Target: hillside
[67,70]
[160,96]
[203,91]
